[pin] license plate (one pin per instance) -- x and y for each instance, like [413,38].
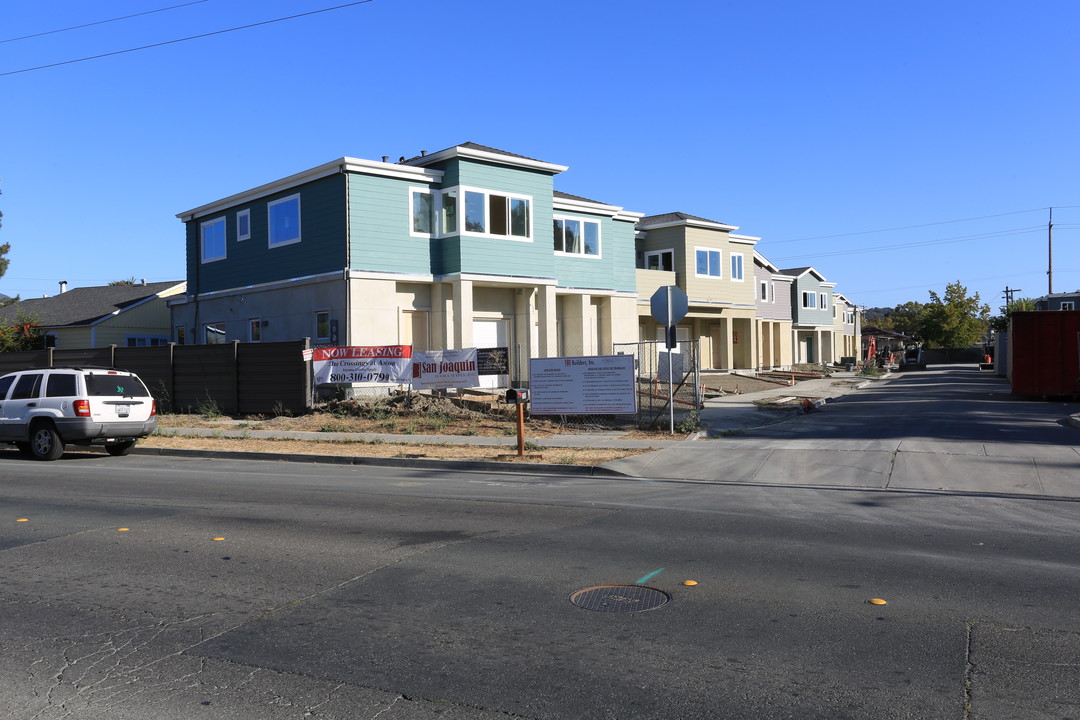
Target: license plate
[123,410]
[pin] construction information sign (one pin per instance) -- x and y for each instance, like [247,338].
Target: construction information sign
[439,369]
[598,385]
[362,364]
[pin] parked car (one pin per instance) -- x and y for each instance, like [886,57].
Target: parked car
[44,409]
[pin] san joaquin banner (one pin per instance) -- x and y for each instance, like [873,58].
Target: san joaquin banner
[439,369]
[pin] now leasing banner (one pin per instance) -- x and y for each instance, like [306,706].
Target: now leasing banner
[438,369]
[362,364]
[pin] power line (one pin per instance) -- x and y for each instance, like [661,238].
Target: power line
[101,22]
[912,227]
[185,39]
[924,243]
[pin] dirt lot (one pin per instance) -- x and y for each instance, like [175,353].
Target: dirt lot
[425,416]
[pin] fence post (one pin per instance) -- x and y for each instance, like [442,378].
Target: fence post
[112,356]
[236,375]
[309,390]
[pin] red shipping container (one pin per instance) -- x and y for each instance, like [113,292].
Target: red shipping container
[1044,353]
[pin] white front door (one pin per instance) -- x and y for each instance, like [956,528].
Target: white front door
[491,334]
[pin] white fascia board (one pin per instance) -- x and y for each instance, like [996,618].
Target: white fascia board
[497,158]
[827,284]
[398,277]
[783,278]
[691,223]
[346,164]
[155,296]
[765,262]
[744,239]
[582,206]
[514,280]
[275,285]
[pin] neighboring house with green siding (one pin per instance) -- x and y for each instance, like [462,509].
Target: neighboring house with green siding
[93,317]
[467,247]
[812,316]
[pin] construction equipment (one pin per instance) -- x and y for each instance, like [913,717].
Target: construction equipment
[912,359]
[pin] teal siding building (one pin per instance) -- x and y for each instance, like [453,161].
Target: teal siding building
[466,247]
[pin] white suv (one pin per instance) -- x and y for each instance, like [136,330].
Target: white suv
[44,409]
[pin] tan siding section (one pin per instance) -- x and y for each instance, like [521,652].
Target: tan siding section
[151,318]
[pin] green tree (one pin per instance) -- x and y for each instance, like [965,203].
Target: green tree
[907,318]
[1000,323]
[129,281]
[21,333]
[955,320]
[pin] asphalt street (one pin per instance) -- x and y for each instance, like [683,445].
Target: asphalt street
[182,587]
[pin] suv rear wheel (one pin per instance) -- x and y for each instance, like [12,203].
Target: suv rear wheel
[45,442]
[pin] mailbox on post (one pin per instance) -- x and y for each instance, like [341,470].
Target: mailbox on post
[517,396]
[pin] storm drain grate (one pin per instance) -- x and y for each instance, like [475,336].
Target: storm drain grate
[619,598]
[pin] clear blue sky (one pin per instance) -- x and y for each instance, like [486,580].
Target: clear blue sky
[807,124]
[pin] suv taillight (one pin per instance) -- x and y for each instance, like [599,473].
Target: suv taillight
[82,408]
[153,408]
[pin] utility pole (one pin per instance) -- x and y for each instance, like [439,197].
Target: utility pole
[1050,267]
[1009,297]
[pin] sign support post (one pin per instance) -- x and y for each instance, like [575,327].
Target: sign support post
[669,305]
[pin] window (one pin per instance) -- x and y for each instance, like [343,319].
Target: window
[181,335]
[254,330]
[1068,305]
[5,385]
[27,387]
[660,260]
[61,385]
[823,301]
[448,213]
[422,210]
[764,291]
[708,263]
[577,237]
[322,326]
[498,215]
[214,333]
[145,341]
[243,225]
[213,240]
[736,266]
[283,217]
[809,299]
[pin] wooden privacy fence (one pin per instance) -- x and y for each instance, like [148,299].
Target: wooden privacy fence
[236,378]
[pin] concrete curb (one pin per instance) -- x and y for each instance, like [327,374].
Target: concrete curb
[407,463]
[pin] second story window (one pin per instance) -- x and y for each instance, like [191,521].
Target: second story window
[764,291]
[576,237]
[1068,305]
[823,301]
[243,225]
[213,240]
[423,212]
[498,215]
[660,260]
[283,217]
[809,299]
[736,266]
[708,263]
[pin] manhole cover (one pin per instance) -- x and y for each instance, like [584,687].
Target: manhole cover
[619,598]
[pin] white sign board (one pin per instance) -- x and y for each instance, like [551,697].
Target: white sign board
[438,369]
[362,364]
[598,385]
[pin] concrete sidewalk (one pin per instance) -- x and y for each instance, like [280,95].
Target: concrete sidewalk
[720,453]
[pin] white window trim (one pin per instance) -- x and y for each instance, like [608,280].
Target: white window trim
[660,254]
[315,329]
[763,289]
[202,240]
[719,265]
[247,235]
[1071,305]
[810,295]
[823,301]
[742,267]
[599,238]
[436,207]
[251,322]
[462,189]
[299,223]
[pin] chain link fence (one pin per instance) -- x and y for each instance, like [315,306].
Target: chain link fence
[652,360]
